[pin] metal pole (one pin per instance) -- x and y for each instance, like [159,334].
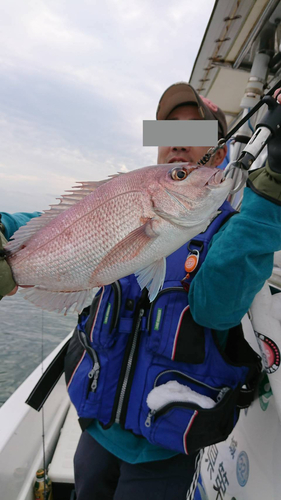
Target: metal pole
[253,93]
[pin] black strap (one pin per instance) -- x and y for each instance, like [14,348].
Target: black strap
[47,382]
[85,422]
[246,397]
[248,393]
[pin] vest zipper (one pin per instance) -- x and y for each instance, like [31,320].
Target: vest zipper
[93,374]
[184,375]
[165,408]
[176,404]
[129,367]
[149,417]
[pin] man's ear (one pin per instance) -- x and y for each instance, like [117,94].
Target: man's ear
[220,156]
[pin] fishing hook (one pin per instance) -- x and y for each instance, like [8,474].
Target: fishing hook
[244,174]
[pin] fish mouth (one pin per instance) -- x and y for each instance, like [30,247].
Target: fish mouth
[215,179]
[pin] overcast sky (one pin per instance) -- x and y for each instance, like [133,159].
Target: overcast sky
[77,78]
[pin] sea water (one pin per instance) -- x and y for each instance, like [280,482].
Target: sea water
[25,332]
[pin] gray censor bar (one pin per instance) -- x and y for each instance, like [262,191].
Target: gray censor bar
[180,132]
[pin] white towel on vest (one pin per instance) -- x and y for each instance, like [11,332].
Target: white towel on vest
[172,391]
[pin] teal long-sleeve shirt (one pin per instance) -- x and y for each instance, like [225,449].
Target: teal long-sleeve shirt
[12,222]
[239,261]
[8,226]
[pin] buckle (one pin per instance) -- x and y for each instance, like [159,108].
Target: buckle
[246,397]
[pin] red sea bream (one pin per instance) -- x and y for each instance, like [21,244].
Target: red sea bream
[103,231]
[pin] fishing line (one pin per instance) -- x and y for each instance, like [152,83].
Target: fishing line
[253,111]
[212,151]
[42,410]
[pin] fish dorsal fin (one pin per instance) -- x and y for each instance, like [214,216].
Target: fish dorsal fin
[24,233]
[73,196]
[116,175]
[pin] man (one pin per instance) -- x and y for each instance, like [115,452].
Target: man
[111,462]
[181,102]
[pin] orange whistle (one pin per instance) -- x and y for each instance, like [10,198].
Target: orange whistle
[191,262]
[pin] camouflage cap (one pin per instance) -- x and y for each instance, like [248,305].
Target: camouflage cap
[182,92]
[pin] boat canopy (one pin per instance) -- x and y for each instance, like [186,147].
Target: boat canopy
[224,61]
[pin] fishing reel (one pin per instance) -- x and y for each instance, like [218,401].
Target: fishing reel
[267,128]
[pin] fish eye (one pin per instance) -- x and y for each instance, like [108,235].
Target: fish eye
[179,174]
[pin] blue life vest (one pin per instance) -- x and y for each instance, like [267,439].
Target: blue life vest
[123,347]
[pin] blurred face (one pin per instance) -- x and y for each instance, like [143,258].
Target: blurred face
[173,154]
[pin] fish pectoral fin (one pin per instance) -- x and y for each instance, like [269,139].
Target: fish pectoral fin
[57,301]
[128,248]
[152,277]
[138,238]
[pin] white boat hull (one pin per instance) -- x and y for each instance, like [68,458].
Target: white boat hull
[21,452]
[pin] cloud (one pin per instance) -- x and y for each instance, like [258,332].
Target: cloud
[76,81]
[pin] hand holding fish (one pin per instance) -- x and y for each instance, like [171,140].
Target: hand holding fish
[7,284]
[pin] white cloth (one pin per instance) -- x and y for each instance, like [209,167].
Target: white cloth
[173,391]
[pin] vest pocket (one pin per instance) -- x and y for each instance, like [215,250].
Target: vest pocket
[112,313]
[185,426]
[82,370]
[172,331]
[163,318]
[104,316]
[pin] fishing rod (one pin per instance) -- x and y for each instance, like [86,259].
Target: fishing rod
[266,128]
[253,110]
[266,99]
[264,60]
